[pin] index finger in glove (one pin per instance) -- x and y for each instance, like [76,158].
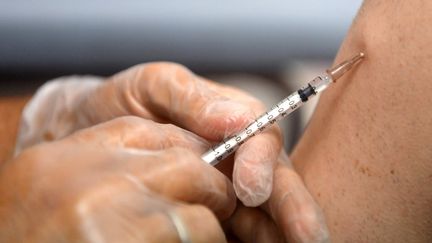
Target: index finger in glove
[214,112]
[173,92]
[293,208]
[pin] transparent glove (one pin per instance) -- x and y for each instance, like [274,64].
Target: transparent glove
[120,181]
[290,215]
[163,92]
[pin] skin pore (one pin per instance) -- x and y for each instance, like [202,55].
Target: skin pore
[366,155]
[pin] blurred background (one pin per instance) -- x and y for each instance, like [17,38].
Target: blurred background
[269,48]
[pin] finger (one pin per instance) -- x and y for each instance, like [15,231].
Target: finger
[185,176]
[174,92]
[253,168]
[121,213]
[251,225]
[181,175]
[198,224]
[135,132]
[293,208]
[256,159]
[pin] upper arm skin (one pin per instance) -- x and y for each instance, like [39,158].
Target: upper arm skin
[366,155]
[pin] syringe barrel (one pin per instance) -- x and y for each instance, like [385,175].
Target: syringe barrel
[277,112]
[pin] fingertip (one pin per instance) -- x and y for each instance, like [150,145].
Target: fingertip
[252,183]
[253,169]
[250,199]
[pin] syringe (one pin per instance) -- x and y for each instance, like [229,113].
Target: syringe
[277,112]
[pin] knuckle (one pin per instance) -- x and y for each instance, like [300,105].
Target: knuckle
[163,67]
[175,66]
[165,74]
[139,67]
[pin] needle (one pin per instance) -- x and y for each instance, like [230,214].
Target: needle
[342,68]
[282,109]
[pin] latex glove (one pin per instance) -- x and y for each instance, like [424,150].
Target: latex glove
[120,181]
[290,215]
[163,92]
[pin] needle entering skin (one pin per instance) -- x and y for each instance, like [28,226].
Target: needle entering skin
[279,111]
[342,68]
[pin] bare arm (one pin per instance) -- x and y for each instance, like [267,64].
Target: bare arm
[366,155]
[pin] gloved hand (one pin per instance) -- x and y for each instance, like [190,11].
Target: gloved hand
[163,92]
[120,181]
[290,215]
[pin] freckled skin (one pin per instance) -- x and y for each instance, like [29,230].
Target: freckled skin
[366,155]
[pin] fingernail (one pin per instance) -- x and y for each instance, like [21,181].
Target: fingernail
[253,182]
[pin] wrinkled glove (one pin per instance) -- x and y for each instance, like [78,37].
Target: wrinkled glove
[290,215]
[163,92]
[120,181]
